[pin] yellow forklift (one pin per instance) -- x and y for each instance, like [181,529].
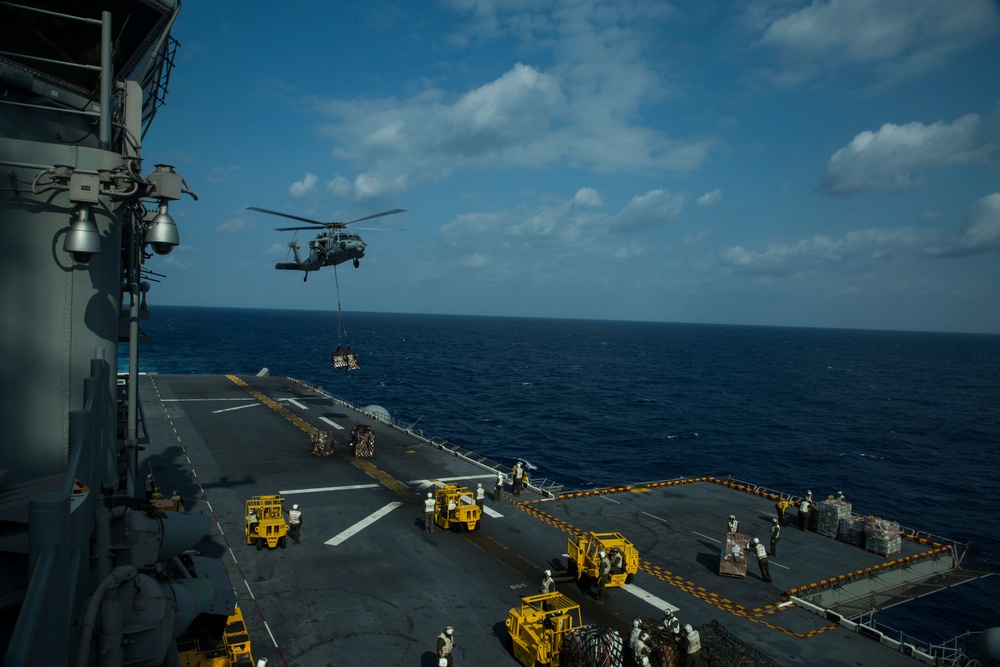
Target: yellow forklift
[585,560]
[232,651]
[538,626]
[265,522]
[455,508]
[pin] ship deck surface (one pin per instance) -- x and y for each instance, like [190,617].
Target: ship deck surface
[368,586]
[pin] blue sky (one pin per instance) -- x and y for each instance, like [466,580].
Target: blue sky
[831,164]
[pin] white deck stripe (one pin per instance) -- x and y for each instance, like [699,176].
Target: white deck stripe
[295,403]
[422,483]
[659,603]
[333,423]
[361,525]
[321,489]
[492,512]
[238,407]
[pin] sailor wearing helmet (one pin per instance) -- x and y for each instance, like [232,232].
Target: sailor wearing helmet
[775,534]
[445,646]
[429,513]
[480,496]
[604,576]
[295,523]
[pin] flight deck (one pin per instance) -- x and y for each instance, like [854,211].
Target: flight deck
[368,584]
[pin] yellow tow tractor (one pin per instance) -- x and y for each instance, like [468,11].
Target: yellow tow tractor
[265,522]
[585,560]
[232,650]
[455,508]
[538,626]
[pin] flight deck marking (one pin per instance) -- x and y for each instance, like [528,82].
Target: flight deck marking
[659,603]
[295,403]
[290,492]
[429,482]
[333,423]
[492,512]
[703,535]
[700,592]
[238,407]
[364,523]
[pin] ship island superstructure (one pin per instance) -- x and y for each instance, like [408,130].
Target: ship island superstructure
[101,568]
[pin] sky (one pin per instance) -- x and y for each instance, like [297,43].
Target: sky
[822,164]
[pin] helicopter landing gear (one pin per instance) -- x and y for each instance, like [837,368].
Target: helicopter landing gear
[357,264]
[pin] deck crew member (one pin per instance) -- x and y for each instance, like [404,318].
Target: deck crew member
[633,638]
[761,552]
[782,505]
[670,622]
[642,649]
[734,525]
[804,514]
[176,499]
[498,489]
[548,583]
[692,649]
[775,534]
[604,575]
[254,522]
[617,560]
[480,496]
[518,477]
[295,523]
[149,486]
[840,496]
[429,513]
[446,644]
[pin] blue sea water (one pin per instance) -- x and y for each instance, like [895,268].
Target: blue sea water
[906,424]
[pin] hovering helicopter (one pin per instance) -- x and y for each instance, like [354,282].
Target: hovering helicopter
[332,246]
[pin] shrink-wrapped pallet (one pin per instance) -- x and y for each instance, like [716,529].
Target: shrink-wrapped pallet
[852,530]
[321,443]
[882,537]
[830,513]
[733,560]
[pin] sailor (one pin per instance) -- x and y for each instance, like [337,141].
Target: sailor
[782,505]
[253,521]
[765,573]
[452,508]
[518,476]
[840,496]
[670,622]
[734,525]
[445,645]
[480,496]
[775,534]
[804,514]
[633,639]
[604,575]
[295,523]
[548,583]
[498,489]
[429,513]
[692,649]
[617,561]
[262,662]
[642,649]
[813,514]
[176,499]
[149,486]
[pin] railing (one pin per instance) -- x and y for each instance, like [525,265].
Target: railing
[960,650]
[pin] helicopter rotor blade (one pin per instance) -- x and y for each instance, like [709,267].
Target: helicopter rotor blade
[292,229]
[285,215]
[377,215]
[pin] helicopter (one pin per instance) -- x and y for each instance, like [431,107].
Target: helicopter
[332,246]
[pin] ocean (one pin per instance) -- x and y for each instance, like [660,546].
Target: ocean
[906,424]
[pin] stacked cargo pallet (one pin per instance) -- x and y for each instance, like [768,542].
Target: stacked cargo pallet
[591,646]
[882,537]
[852,530]
[321,443]
[831,512]
[363,440]
[733,562]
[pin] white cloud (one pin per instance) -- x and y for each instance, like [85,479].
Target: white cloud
[892,39]
[656,207]
[893,157]
[980,233]
[709,199]
[303,187]
[237,226]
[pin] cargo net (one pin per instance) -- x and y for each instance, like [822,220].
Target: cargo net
[721,649]
[591,646]
[363,440]
[321,443]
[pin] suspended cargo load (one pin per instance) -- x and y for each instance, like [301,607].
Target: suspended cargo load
[321,443]
[830,512]
[733,561]
[352,360]
[338,358]
[363,440]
